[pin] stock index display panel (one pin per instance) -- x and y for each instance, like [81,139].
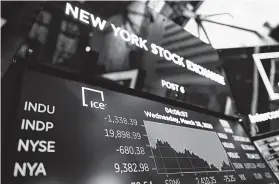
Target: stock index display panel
[70,132]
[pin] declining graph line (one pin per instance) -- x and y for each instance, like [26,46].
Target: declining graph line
[179,149]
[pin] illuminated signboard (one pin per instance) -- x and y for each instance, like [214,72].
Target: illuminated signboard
[71,132]
[256,118]
[138,41]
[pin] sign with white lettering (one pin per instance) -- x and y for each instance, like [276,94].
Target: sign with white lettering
[125,35]
[257,118]
[133,46]
[173,86]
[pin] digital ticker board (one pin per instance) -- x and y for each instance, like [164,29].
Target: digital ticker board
[71,132]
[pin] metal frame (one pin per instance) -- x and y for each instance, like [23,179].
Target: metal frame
[257,58]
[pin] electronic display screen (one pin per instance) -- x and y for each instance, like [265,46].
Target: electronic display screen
[269,148]
[71,132]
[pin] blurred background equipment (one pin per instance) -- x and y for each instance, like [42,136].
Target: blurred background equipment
[242,23]
[17,18]
[133,79]
[273,31]
[269,148]
[174,10]
[245,14]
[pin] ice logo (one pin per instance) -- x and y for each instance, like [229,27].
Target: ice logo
[91,103]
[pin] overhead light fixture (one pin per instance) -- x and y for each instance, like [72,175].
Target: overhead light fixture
[87,49]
